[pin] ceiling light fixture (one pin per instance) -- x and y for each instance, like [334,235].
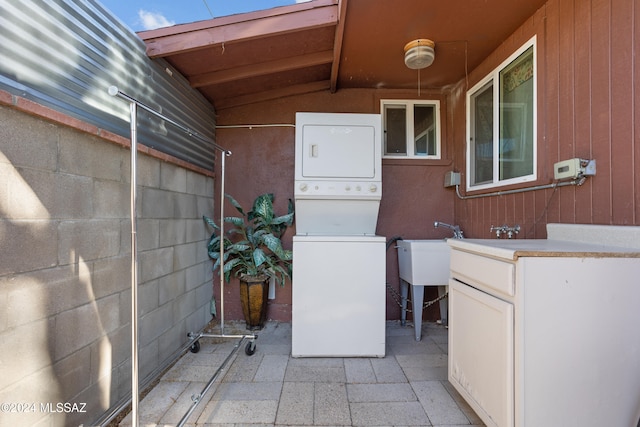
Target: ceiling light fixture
[419,53]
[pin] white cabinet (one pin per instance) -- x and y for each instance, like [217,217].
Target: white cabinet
[545,333]
[483,337]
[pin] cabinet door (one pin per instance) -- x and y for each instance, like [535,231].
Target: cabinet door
[481,352]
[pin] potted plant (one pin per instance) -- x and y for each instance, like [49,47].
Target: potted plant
[253,252]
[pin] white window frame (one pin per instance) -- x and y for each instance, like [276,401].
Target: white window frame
[409,105]
[494,77]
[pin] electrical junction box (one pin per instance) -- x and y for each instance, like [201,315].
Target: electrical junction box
[451,179]
[574,168]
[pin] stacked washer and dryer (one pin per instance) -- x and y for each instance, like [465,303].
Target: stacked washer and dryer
[338,294]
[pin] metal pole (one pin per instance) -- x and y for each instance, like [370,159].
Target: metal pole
[222,172]
[114,91]
[197,398]
[134,271]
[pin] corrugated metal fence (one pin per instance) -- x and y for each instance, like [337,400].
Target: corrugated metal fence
[65,54]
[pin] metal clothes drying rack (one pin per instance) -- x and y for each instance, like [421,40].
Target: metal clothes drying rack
[194,337]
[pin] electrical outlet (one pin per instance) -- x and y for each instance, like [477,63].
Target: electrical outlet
[574,168]
[451,179]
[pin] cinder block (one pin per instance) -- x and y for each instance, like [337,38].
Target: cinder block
[111,275]
[38,387]
[120,340]
[173,178]
[19,360]
[45,195]
[28,142]
[199,184]
[94,397]
[196,275]
[44,293]
[205,206]
[185,255]
[149,359]
[172,232]
[197,230]
[148,233]
[74,372]
[148,173]
[186,206]
[184,305]
[198,319]
[80,155]
[157,203]
[28,245]
[78,327]
[148,297]
[3,303]
[171,286]
[26,193]
[73,197]
[155,263]
[111,199]
[202,255]
[155,323]
[88,240]
[171,340]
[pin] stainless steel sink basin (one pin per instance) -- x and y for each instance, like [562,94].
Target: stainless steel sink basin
[424,262]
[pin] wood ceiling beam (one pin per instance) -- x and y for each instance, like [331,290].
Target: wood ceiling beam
[166,44]
[254,70]
[337,44]
[236,101]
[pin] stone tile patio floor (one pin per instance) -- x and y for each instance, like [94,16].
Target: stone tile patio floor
[408,387]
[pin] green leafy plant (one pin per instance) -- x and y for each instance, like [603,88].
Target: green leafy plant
[253,245]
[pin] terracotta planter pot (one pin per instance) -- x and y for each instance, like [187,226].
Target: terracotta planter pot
[254,293]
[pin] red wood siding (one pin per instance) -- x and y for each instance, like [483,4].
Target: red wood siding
[587,107]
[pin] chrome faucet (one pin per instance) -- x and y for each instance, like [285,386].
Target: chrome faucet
[510,231]
[457,233]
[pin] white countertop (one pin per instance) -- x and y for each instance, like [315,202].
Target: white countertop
[511,250]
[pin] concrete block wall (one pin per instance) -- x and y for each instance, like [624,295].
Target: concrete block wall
[65,287]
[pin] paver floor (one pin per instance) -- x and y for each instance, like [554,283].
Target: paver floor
[408,387]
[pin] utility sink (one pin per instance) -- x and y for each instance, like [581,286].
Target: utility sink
[423,263]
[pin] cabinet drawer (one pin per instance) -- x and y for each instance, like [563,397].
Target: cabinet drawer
[486,274]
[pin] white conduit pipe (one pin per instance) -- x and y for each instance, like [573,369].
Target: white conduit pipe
[114,91]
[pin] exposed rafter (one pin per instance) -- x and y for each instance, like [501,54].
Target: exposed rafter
[332,45]
[245,27]
[255,70]
[337,44]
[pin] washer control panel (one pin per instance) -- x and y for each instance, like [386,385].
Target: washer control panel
[339,189]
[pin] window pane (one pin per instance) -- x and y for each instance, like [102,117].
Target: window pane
[424,130]
[482,135]
[516,117]
[395,130]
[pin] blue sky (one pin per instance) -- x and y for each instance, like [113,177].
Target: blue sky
[149,14]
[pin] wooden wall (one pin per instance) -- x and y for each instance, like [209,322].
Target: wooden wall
[413,196]
[588,107]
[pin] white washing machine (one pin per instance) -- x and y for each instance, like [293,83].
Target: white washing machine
[338,304]
[338,307]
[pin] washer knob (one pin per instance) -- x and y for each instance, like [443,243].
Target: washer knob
[303,187]
[373,188]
